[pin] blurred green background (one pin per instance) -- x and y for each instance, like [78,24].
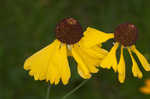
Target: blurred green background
[28,25]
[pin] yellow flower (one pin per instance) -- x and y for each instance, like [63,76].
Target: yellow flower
[146,89]
[126,36]
[51,62]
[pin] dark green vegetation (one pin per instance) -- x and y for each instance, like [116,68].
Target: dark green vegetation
[28,25]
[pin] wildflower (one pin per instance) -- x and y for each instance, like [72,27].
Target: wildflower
[146,89]
[126,36]
[51,62]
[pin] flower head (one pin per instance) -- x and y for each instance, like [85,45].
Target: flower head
[69,31]
[125,35]
[51,64]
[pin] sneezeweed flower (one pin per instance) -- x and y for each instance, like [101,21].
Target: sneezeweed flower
[146,88]
[125,35]
[51,62]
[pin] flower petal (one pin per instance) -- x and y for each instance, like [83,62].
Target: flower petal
[121,67]
[93,37]
[38,62]
[135,69]
[142,59]
[81,73]
[98,51]
[50,63]
[91,58]
[83,69]
[65,70]
[110,60]
[59,67]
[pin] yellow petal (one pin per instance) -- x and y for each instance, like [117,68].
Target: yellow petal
[93,37]
[65,74]
[59,67]
[49,64]
[81,73]
[135,69]
[121,67]
[38,62]
[91,58]
[82,67]
[98,52]
[142,59]
[110,60]
[94,52]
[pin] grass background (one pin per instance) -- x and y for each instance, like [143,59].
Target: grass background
[28,25]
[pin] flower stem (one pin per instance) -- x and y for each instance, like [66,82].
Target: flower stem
[75,89]
[48,91]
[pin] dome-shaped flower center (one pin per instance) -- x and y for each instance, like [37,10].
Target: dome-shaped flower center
[126,34]
[69,31]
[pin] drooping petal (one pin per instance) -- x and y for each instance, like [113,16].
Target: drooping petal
[81,73]
[91,57]
[82,66]
[49,64]
[94,51]
[98,51]
[121,67]
[38,62]
[59,67]
[110,60]
[65,74]
[142,59]
[93,37]
[135,69]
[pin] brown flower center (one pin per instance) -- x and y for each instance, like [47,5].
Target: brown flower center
[126,34]
[69,31]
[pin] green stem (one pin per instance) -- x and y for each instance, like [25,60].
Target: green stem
[48,91]
[75,89]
